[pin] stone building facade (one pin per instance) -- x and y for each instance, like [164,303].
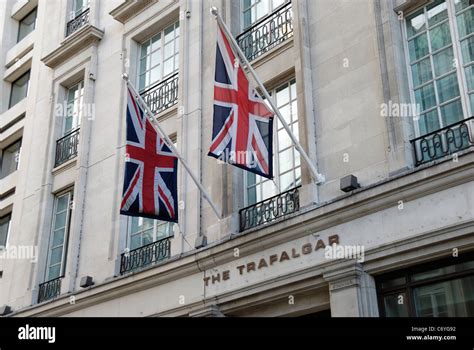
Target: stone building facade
[379,92]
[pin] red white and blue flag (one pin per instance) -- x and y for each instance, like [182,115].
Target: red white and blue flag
[151,168]
[242,130]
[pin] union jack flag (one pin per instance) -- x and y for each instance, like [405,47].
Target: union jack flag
[242,123]
[151,169]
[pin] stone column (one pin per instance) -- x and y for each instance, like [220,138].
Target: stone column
[352,291]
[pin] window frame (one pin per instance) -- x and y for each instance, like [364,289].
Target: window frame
[75,13]
[7,238]
[21,20]
[28,73]
[76,121]
[271,9]
[67,226]
[456,47]
[20,141]
[156,224]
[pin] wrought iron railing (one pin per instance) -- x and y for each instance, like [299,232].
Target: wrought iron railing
[162,95]
[270,209]
[78,22]
[448,140]
[146,255]
[267,33]
[49,290]
[66,147]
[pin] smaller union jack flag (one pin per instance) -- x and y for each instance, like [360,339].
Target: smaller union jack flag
[151,168]
[242,130]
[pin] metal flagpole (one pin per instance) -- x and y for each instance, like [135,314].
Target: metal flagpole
[169,143]
[317,176]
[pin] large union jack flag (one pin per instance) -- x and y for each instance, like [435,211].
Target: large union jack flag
[242,125]
[149,188]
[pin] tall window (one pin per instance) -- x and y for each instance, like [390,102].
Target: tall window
[159,57]
[78,6]
[4,230]
[143,231]
[10,158]
[74,102]
[253,10]
[286,159]
[19,89]
[27,25]
[437,34]
[59,236]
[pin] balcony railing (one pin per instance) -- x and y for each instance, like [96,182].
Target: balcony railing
[270,209]
[66,147]
[267,33]
[448,140]
[146,255]
[162,95]
[78,22]
[49,290]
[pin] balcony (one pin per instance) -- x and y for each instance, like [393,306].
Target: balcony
[78,22]
[445,141]
[162,95]
[49,290]
[66,147]
[145,256]
[270,209]
[267,33]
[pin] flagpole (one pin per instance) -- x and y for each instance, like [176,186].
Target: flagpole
[317,176]
[169,143]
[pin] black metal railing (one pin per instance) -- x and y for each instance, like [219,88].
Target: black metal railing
[146,255]
[49,290]
[267,33]
[270,209]
[162,95]
[448,140]
[66,147]
[78,22]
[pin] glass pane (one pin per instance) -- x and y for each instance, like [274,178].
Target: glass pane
[27,25]
[168,66]
[428,122]
[471,97]
[468,50]
[444,61]
[286,113]
[4,224]
[284,140]
[462,4]
[60,220]
[251,195]
[396,305]
[169,49]
[286,160]
[425,97]
[298,176]
[416,23]
[287,181]
[56,255]
[247,18]
[421,72]
[135,242]
[164,229]
[262,8]
[268,189]
[437,12]
[147,223]
[169,33]
[451,113]
[58,237]
[294,111]
[155,75]
[420,276]
[445,299]
[10,157]
[19,89]
[145,49]
[156,42]
[447,88]
[418,47]
[147,237]
[282,96]
[155,58]
[276,3]
[466,23]
[440,36]
[62,203]
[53,272]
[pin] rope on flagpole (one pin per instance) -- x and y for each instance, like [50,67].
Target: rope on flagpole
[169,143]
[319,178]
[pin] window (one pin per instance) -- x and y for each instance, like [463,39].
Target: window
[253,10]
[74,103]
[19,89]
[10,159]
[437,34]
[4,230]
[27,25]
[78,7]
[59,236]
[442,289]
[286,159]
[159,57]
[143,231]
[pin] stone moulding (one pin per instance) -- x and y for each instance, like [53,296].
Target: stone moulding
[80,40]
[129,9]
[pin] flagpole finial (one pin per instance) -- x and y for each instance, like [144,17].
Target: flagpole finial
[214,11]
[125,76]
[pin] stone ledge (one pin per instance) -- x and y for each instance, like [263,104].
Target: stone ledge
[129,9]
[80,40]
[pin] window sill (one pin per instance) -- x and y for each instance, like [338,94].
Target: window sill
[65,166]
[22,7]
[83,38]
[8,184]
[19,68]
[11,117]
[20,49]
[129,9]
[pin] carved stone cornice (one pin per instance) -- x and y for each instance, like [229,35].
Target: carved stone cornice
[129,9]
